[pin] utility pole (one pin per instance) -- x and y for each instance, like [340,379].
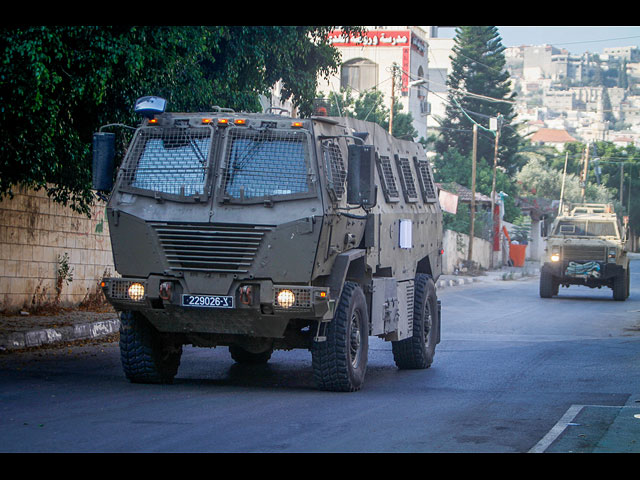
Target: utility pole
[473,189]
[621,180]
[585,172]
[564,176]
[493,182]
[393,96]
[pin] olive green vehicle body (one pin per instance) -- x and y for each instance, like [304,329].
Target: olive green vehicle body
[587,246]
[244,245]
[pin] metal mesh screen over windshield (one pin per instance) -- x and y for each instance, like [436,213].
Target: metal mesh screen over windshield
[266,163]
[587,228]
[172,161]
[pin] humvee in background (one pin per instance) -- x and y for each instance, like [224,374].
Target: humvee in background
[587,246]
[260,232]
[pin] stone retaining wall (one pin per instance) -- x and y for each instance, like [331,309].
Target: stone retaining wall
[50,254]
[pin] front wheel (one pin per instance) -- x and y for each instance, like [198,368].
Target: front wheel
[418,350]
[340,362]
[147,356]
[621,286]
[548,287]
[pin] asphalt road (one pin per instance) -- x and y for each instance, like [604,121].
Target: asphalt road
[514,373]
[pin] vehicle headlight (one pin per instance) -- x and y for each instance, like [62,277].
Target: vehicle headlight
[612,255]
[555,257]
[136,292]
[286,298]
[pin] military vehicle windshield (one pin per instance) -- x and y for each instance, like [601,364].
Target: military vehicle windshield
[266,164]
[589,228]
[172,161]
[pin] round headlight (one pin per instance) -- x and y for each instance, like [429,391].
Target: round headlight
[286,298]
[555,257]
[136,292]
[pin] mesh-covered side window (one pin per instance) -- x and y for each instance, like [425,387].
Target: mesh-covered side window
[425,179]
[173,161]
[266,163]
[334,164]
[389,187]
[601,229]
[406,179]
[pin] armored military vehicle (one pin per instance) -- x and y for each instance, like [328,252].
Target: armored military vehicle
[261,231]
[586,246]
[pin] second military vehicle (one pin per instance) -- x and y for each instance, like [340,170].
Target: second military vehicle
[261,232]
[587,246]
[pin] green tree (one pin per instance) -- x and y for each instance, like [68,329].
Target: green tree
[59,84]
[479,89]
[452,166]
[369,106]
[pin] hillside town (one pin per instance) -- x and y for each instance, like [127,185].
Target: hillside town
[586,98]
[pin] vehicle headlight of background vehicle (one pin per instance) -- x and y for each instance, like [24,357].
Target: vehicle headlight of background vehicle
[555,255]
[611,255]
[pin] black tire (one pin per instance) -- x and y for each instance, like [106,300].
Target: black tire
[547,287]
[417,351]
[621,286]
[628,281]
[240,355]
[340,362]
[146,355]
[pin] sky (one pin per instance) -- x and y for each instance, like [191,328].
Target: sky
[576,39]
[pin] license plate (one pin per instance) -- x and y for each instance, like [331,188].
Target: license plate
[207,301]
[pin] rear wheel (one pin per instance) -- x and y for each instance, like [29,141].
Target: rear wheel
[147,356]
[340,362]
[418,350]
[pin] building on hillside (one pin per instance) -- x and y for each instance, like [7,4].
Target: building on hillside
[628,54]
[553,137]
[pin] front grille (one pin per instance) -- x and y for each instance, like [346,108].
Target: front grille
[222,248]
[576,253]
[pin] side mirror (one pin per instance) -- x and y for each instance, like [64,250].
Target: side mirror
[361,189]
[104,152]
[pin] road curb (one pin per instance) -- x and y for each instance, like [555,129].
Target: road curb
[453,282]
[37,338]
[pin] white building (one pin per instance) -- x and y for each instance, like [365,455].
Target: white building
[440,49]
[367,64]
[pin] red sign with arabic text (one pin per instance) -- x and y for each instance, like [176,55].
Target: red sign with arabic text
[373,38]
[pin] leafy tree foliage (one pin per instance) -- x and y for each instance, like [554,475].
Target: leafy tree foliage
[538,178]
[59,84]
[543,175]
[369,106]
[477,76]
[452,166]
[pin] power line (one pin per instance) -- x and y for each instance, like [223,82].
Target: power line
[597,41]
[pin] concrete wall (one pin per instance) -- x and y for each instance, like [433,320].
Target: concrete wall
[36,236]
[456,247]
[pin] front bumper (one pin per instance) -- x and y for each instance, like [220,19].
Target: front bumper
[255,307]
[572,273]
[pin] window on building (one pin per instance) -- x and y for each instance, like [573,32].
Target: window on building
[360,74]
